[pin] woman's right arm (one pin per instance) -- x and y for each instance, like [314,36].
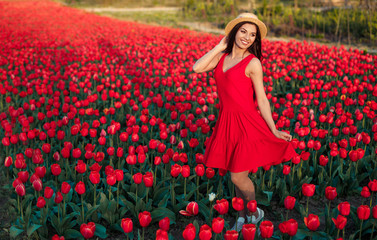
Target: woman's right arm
[210,59]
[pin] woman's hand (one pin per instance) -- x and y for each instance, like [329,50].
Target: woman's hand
[283,135]
[223,43]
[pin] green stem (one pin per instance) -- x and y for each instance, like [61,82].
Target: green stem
[147,195]
[143,232]
[82,208]
[307,207]
[361,228]
[286,216]
[118,195]
[197,188]
[371,200]
[95,194]
[185,188]
[331,166]
[371,235]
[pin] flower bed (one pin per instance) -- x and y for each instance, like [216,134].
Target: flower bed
[104,127]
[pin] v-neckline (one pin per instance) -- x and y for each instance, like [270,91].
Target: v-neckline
[222,67]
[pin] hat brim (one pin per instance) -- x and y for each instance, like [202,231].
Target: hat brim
[262,27]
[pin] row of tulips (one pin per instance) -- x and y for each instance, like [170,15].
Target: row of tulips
[108,122]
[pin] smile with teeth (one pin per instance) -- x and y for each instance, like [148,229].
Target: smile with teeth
[244,42]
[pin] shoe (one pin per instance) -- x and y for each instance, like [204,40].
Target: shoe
[238,224]
[260,216]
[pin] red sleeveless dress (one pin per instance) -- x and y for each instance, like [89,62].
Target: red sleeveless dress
[241,139]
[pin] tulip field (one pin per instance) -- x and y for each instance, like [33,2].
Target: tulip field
[103,128]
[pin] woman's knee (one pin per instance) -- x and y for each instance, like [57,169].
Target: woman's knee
[237,179]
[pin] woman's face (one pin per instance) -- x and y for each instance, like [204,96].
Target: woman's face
[246,35]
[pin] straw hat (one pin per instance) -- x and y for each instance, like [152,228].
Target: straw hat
[249,17]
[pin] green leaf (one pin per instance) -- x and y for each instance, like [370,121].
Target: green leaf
[72,234]
[89,213]
[32,229]
[14,232]
[164,201]
[159,213]
[100,231]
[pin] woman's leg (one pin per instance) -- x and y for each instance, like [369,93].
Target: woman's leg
[244,189]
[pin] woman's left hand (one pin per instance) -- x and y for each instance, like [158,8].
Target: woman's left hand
[283,135]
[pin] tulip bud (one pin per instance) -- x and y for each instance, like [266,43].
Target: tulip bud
[88,230]
[312,222]
[145,218]
[217,225]
[164,224]
[190,232]
[266,229]
[127,225]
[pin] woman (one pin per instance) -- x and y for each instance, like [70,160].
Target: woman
[243,139]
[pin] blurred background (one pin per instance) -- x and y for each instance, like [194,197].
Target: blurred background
[350,22]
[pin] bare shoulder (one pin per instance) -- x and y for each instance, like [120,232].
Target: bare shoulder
[254,67]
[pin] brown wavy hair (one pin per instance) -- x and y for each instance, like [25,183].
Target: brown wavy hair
[255,48]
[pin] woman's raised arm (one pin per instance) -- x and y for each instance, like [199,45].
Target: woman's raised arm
[211,58]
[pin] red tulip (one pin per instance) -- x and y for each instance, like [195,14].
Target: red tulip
[137,177]
[190,232]
[20,189]
[41,202]
[312,222]
[8,162]
[127,225]
[192,209]
[37,185]
[374,212]
[217,225]
[58,197]
[148,179]
[330,193]
[164,224]
[290,227]
[23,176]
[87,230]
[237,203]
[94,177]
[145,218]
[286,169]
[119,174]
[266,229]
[344,208]
[175,170]
[162,235]
[48,192]
[199,170]
[221,206]
[210,173]
[40,171]
[340,222]
[373,185]
[76,153]
[323,160]
[55,169]
[252,206]
[57,237]
[65,188]
[363,212]
[248,231]
[111,179]
[80,188]
[289,202]
[185,171]
[231,235]
[80,167]
[205,232]
[308,189]
[365,192]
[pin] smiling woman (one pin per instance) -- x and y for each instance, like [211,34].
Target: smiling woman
[244,138]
